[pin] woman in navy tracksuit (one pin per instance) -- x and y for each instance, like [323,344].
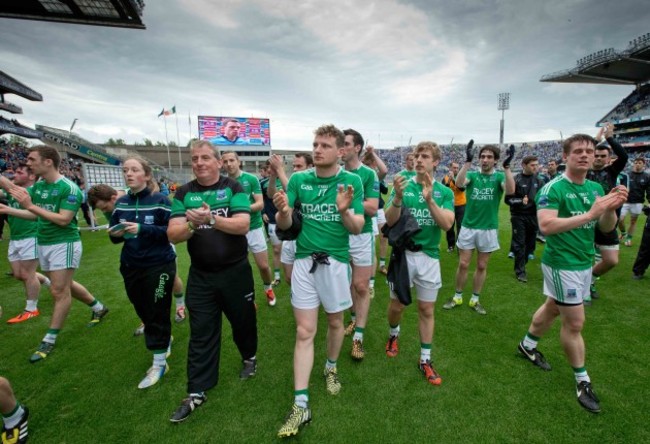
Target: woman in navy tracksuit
[147,262]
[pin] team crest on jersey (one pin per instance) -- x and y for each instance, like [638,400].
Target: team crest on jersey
[543,201]
[72,199]
[221,194]
[436,194]
[148,219]
[55,192]
[45,194]
[595,193]
[375,186]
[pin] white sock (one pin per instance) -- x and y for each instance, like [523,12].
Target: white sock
[47,282]
[425,354]
[31,305]
[160,359]
[358,336]
[50,338]
[474,298]
[13,420]
[394,331]
[458,295]
[372,282]
[97,307]
[301,400]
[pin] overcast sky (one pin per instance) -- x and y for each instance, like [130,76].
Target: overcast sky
[395,71]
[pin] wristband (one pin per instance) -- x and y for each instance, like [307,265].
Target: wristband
[190,227]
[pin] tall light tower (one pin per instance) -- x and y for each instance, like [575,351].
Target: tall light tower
[503,104]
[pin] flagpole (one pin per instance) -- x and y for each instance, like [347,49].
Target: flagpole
[169,159]
[189,124]
[178,142]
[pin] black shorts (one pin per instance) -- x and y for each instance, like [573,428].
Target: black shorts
[606,239]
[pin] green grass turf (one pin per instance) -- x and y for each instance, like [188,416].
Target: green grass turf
[86,391]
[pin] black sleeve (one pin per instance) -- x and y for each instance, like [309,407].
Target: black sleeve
[115,219]
[622,156]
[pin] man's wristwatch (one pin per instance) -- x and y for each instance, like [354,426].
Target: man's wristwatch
[212,220]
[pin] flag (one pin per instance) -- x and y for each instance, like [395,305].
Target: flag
[167,112]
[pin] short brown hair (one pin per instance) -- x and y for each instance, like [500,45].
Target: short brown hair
[566,146]
[640,159]
[308,159]
[199,143]
[431,147]
[331,131]
[493,148]
[101,192]
[526,160]
[48,152]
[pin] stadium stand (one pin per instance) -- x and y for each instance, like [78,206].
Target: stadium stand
[630,66]
[118,13]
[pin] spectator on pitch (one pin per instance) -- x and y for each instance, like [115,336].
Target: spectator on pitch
[211,213]
[372,160]
[523,215]
[606,173]
[15,416]
[255,235]
[362,244]
[460,200]
[22,249]
[431,204]
[569,210]
[147,262]
[639,191]
[642,260]
[301,162]
[103,197]
[55,201]
[479,230]
[332,208]
[268,216]
[230,134]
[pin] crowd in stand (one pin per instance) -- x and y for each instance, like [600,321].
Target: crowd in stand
[12,155]
[639,100]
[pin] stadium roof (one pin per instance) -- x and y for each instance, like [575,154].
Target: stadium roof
[15,127]
[118,13]
[9,85]
[627,67]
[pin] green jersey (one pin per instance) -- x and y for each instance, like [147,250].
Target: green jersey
[429,237]
[63,194]
[370,183]
[322,226]
[408,174]
[251,186]
[483,192]
[20,228]
[573,249]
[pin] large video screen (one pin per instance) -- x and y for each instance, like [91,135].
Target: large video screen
[235,130]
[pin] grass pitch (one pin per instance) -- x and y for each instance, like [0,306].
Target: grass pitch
[86,390]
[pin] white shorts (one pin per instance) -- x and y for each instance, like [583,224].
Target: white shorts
[256,240]
[60,256]
[566,287]
[424,275]
[362,249]
[288,255]
[634,209]
[22,250]
[485,241]
[328,285]
[273,236]
[375,226]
